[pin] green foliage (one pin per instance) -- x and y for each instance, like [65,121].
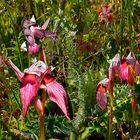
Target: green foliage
[79,67]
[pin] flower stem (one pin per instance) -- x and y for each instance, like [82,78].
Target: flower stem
[111,112]
[42,116]
[134,104]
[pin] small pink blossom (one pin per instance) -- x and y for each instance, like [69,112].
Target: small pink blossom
[105,14]
[101,93]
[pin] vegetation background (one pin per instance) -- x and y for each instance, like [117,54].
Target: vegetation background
[81,56]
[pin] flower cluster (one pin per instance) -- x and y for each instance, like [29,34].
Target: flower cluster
[126,69]
[105,14]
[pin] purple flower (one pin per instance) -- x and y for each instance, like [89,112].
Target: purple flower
[32,30]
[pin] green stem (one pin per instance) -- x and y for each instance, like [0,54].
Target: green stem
[121,26]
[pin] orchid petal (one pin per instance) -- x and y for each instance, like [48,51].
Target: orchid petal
[57,94]
[30,40]
[115,62]
[123,71]
[45,25]
[42,56]
[38,32]
[28,91]
[101,97]
[16,70]
[37,68]
[28,24]
[131,58]
[33,19]
[114,66]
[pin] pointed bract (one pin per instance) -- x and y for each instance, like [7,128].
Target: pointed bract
[38,105]
[115,62]
[45,25]
[131,59]
[16,70]
[28,90]
[57,94]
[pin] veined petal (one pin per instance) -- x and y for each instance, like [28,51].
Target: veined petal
[101,97]
[16,70]
[123,71]
[114,67]
[45,25]
[28,91]
[57,94]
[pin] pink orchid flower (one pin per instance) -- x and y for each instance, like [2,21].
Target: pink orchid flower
[101,93]
[38,76]
[30,82]
[127,69]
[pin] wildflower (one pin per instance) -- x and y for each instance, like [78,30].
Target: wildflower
[30,82]
[105,14]
[32,31]
[35,77]
[101,93]
[127,69]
